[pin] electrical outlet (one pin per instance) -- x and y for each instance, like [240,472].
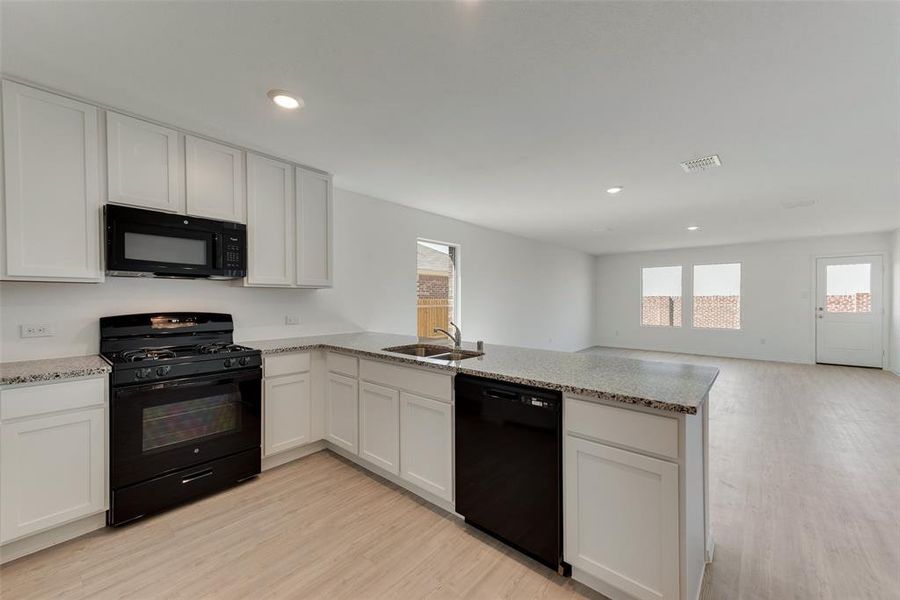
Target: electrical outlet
[291,319]
[36,330]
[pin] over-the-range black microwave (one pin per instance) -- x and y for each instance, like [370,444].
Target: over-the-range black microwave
[148,243]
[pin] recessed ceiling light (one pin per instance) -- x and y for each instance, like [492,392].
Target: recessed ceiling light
[285,100]
[693,227]
[615,190]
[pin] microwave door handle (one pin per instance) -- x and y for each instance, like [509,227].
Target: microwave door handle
[217,253]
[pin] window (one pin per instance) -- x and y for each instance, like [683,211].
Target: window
[848,288]
[437,287]
[717,296]
[661,296]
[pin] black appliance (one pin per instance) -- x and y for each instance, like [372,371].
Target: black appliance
[148,243]
[509,465]
[185,406]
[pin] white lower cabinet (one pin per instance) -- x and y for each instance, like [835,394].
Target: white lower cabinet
[621,518]
[342,411]
[379,426]
[287,412]
[426,444]
[52,455]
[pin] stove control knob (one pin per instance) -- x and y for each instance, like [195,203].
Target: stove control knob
[229,362]
[164,370]
[244,360]
[142,373]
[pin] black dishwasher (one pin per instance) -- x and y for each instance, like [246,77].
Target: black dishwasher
[509,465]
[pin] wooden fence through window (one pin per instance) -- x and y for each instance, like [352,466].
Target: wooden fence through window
[433,312]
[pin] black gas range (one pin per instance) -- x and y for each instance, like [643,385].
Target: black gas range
[185,409]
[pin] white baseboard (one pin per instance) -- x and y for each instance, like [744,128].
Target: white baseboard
[28,545]
[276,460]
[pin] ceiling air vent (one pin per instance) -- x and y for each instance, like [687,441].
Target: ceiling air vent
[701,164]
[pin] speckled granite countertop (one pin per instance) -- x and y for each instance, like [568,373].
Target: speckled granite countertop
[662,385]
[52,369]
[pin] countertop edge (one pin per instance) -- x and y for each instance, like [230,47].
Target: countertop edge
[54,374]
[460,369]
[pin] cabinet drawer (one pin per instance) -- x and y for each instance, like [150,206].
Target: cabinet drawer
[285,364]
[343,364]
[621,426]
[434,385]
[51,397]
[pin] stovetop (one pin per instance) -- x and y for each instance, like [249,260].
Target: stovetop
[157,354]
[151,347]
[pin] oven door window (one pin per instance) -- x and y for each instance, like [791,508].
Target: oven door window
[169,425]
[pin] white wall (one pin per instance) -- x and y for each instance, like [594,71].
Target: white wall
[895,306]
[514,291]
[777,298]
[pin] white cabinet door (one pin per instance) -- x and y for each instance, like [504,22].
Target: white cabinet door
[621,518]
[426,449]
[52,198]
[379,426]
[314,229]
[287,412]
[144,164]
[214,174]
[270,222]
[342,411]
[52,470]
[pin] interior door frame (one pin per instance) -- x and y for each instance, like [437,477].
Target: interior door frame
[885,332]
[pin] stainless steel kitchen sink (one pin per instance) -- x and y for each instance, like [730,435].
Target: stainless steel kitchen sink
[433,351]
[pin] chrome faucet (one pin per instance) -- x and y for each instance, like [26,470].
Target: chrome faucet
[457,337]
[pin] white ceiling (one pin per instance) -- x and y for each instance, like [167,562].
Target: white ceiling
[518,116]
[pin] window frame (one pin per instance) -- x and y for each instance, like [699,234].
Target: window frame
[457,277]
[740,265]
[641,297]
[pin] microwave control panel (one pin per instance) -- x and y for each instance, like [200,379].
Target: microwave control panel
[234,250]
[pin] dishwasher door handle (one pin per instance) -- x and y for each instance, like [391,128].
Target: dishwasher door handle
[501,394]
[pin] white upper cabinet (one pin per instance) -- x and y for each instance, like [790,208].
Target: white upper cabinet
[214,176]
[270,222]
[52,201]
[314,229]
[144,164]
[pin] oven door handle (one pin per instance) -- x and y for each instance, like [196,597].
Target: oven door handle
[190,382]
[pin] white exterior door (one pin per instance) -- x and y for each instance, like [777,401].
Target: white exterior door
[287,412]
[270,222]
[426,444]
[214,175]
[52,201]
[342,411]
[144,164]
[849,311]
[379,426]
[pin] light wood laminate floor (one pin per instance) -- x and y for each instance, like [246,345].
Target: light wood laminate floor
[805,503]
